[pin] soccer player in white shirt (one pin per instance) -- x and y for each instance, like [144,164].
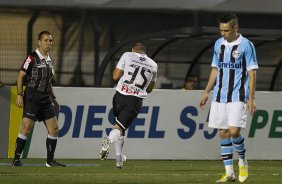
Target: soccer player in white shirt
[233,72]
[136,74]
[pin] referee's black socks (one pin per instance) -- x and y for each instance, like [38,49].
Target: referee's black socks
[51,143]
[20,143]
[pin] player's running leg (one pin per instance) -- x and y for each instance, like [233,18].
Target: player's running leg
[120,158]
[113,137]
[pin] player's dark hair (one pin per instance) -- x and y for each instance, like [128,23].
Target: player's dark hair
[43,33]
[139,47]
[231,18]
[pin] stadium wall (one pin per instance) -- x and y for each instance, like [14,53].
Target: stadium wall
[170,126]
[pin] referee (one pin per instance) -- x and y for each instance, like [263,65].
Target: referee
[38,100]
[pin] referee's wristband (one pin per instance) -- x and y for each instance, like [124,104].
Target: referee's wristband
[20,93]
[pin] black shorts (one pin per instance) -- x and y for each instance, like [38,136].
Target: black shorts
[125,109]
[38,105]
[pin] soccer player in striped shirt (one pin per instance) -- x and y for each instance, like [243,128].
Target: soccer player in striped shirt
[233,80]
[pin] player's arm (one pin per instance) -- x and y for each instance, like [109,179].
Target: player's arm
[251,105]
[153,81]
[208,88]
[251,64]
[117,74]
[20,78]
[150,87]
[25,70]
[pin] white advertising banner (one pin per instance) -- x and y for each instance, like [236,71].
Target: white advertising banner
[170,126]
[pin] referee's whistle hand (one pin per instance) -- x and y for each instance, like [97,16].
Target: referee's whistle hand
[19,101]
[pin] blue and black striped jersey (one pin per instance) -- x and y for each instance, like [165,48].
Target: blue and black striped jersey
[233,61]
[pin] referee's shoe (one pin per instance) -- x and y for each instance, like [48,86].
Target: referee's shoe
[54,163]
[17,163]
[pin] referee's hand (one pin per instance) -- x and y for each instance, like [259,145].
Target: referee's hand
[57,105]
[19,101]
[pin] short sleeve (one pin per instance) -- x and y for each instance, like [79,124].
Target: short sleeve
[121,62]
[216,52]
[214,60]
[28,64]
[250,56]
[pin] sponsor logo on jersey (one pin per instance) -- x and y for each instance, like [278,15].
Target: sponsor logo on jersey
[229,65]
[27,61]
[130,89]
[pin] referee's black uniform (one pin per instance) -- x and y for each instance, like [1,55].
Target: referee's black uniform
[37,100]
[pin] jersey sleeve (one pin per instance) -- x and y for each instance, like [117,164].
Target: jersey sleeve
[215,58]
[27,64]
[121,62]
[250,56]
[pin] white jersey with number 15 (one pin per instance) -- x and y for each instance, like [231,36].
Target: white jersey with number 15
[138,71]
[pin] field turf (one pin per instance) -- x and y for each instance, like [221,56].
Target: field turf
[134,171]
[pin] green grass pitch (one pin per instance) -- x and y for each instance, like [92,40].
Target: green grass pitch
[134,171]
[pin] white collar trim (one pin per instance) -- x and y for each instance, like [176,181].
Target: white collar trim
[236,42]
[41,56]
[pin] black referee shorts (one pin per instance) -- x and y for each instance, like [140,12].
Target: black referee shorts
[38,105]
[125,109]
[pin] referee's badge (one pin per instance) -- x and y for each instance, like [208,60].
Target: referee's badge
[236,54]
